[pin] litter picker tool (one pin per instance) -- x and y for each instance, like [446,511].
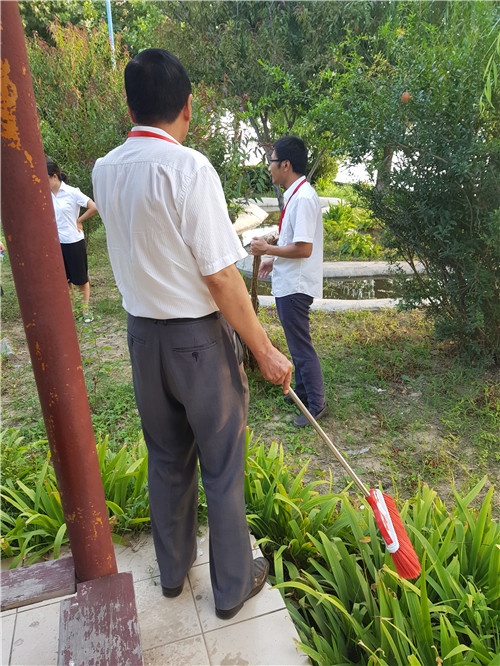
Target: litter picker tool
[384,508]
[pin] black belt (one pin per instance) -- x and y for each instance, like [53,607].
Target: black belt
[186,320]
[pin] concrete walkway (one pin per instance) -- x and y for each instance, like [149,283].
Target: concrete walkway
[174,632]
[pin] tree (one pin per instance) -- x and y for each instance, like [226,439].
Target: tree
[440,204]
[82,111]
[260,56]
[38,15]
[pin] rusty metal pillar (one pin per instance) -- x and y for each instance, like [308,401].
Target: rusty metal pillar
[35,255]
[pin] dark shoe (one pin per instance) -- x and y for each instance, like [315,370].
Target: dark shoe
[302,421]
[172,592]
[260,571]
[289,400]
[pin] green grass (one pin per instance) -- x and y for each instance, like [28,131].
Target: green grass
[392,388]
[418,410]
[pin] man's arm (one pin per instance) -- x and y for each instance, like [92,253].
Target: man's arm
[299,250]
[229,292]
[266,266]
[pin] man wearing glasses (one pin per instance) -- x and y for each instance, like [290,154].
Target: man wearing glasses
[296,263]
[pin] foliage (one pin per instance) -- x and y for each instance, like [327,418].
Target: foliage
[32,516]
[436,157]
[345,228]
[124,477]
[347,602]
[280,510]
[444,200]
[218,135]
[32,522]
[134,20]
[326,172]
[344,216]
[264,55]
[76,87]
[491,76]
[19,459]
[38,15]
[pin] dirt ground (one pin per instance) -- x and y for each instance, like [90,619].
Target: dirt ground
[377,456]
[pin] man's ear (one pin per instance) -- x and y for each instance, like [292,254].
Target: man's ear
[188,109]
[131,114]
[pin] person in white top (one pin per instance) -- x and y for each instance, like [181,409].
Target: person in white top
[296,263]
[173,251]
[67,202]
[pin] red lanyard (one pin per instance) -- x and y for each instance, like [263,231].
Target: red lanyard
[284,209]
[133,133]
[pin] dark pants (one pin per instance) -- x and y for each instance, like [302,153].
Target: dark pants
[192,396]
[293,311]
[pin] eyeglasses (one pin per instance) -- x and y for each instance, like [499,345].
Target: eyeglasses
[276,160]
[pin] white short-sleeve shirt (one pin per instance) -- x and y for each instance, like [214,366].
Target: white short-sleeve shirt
[166,223]
[302,222]
[67,203]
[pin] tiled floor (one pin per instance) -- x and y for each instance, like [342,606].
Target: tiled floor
[174,632]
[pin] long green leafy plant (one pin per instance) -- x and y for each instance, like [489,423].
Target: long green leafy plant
[347,602]
[349,605]
[32,520]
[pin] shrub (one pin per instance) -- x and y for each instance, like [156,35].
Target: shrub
[440,203]
[344,227]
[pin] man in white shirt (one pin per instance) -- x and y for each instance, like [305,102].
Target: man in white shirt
[173,251]
[296,263]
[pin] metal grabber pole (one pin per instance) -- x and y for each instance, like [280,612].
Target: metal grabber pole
[30,230]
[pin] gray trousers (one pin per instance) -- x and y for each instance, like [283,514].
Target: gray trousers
[192,395]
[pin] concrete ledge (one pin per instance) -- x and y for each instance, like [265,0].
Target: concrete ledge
[338,305]
[348,270]
[251,217]
[345,270]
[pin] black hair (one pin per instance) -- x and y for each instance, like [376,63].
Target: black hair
[54,170]
[293,149]
[157,86]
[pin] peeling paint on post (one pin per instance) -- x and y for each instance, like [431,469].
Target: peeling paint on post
[37,265]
